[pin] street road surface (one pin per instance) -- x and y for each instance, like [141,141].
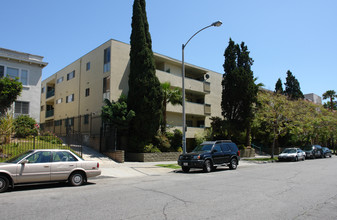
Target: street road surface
[294,190]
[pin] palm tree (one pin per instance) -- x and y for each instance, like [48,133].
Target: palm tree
[172,96]
[332,95]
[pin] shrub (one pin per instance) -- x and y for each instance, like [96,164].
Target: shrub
[50,137]
[25,126]
[151,149]
[176,139]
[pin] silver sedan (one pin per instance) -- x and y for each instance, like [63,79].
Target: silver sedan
[46,166]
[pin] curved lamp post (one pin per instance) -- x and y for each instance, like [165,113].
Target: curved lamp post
[215,24]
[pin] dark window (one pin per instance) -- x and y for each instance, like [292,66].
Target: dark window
[71,75]
[88,66]
[21,108]
[225,147]
[2,71]
[69,122]
[87,92]
[42,108]
[42,89]
[106,84]
[70,98]
[217,148]
[86,119]
[106,66]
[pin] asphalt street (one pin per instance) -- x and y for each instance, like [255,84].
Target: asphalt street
[294,190]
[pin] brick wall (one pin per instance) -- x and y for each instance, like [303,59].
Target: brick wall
[152,157]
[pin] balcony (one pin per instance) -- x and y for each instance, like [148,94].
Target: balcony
[191,108]
[190,84]
[49,113]
[50,93]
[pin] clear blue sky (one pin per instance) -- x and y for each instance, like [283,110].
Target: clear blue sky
[295,35]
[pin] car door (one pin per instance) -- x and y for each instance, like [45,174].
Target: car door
[63,164]
[217,154]
[35,169]
[227,152]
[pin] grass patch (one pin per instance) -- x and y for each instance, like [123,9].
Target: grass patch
[171,166]
[262,159]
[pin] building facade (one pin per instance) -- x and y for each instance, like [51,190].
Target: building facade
[313,98]
[28,68]
[78,91]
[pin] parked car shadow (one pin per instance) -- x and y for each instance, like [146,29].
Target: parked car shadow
[196,170]
[41,186]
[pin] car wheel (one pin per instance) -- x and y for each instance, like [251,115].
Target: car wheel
[233,164]
[4,183]
[207,166]
[303,158]
[76,179]
[185,169]
[296,159]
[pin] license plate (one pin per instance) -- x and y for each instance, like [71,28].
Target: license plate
[185,164]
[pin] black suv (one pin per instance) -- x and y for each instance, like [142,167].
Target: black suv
[313,151]
[211,154]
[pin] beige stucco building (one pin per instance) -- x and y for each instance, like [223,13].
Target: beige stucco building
[80,88]
[28,69]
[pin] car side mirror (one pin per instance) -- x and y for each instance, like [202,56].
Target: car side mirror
[24,161]
[214,151]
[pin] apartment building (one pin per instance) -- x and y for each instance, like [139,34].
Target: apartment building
[28,68]
[78,90]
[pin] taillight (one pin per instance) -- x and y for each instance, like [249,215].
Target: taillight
[97,165]
[238,153]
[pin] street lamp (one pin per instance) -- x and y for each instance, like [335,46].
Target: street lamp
[215,24]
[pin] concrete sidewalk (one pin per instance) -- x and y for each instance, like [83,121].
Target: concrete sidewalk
[113,169]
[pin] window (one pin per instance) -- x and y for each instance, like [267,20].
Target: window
[42,108]
[24,77]
[88,66]
[40,157]
[70,98]
[2,71]
[21,108]
[58,122]
[71,75]
[217,148]
[86,119]
[63,156]
[59,80]
[69,122]
[21,74]
[58,101]
[106,66]
[106,84]
[43,89]
[106,88]
[87,92]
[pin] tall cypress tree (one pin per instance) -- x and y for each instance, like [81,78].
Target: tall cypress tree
[239,89]
[278,86]
[145,93]
[292,87]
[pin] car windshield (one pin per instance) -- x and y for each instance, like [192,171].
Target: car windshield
[205,147]
[19,157]
[289,151]
[307,148]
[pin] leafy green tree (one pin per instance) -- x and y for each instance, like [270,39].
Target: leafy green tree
[292,87]
[278,87]
[25,126]
[117,113]
[274,114]
[145,96]
[10,89]
[239,89]
[330,94]
[173,96]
